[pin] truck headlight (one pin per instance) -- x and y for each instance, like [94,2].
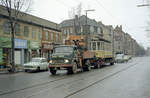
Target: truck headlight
[50,61]
[66,61]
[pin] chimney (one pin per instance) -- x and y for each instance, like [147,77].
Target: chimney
[121,27]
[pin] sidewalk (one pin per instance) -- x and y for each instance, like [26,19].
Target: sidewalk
[5,71]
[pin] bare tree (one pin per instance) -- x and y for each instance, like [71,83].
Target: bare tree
[15,10]
[79,9]
[75,14]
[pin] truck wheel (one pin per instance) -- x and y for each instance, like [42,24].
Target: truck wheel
[73,69]
[112,63]
[53,72]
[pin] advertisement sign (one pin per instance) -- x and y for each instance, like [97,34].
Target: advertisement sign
[19,43]
[1,56]
[5,42]
[34,45]
[47,46]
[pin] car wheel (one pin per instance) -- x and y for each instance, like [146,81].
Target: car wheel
[25,70]
[38,69]
[53,71]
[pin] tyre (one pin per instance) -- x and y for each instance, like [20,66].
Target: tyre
[38,69]
[73,69]
[87,65]
[53,71]
[112,63]
[25,70]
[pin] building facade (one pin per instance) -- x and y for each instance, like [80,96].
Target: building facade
[30,38]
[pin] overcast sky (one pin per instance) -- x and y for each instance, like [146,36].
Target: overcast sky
[110,12]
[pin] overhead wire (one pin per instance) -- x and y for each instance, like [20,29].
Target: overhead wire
[115,19]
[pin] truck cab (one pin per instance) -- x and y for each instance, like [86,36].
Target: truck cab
[64,57]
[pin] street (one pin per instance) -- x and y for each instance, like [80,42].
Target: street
[123,80]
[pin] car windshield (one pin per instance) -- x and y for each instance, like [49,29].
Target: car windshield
[63,49]
[36,60]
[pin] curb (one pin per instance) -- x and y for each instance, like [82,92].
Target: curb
[7,72]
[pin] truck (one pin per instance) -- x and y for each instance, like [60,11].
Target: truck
[74,56]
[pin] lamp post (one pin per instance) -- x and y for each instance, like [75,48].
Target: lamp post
[86,35]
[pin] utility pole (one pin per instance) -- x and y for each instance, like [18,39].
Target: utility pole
[86,35]
[113,42]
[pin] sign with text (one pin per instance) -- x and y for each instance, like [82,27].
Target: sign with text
[19,43]
[34,45]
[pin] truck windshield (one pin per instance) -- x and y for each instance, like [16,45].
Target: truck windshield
[63,49]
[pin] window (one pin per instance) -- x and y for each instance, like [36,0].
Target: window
[94,45]
[26,31]
[71,30]
[90,46]
[52,36]
[46,35]
[6,27]
[57,37]
[101,30]
[91,29]
[17,29]
[40,34]
[95,29]
[33,33]
[99,45]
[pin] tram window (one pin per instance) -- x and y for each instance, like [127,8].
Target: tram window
[94,45]
[99,45]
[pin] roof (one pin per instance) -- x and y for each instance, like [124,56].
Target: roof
[27,18]
[81,20]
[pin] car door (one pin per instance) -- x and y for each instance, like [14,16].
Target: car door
[45,64]
[42,64]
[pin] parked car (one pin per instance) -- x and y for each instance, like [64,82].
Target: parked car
[119,58]
[36,64]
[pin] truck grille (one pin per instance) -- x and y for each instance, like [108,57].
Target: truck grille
[58,61]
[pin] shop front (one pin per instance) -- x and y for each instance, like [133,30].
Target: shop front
[34,49]
[5,51]
[20,47]
[47,49]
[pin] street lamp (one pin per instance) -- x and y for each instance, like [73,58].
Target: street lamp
[87,28]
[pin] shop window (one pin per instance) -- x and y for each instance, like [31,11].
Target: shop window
[17,29]
[26,31]
[6,27]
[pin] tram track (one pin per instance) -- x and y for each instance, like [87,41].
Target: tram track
[92,73]
[98,81]
[40,84]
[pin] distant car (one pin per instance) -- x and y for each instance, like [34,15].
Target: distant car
[126,58]
[119,58]
[36,64]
